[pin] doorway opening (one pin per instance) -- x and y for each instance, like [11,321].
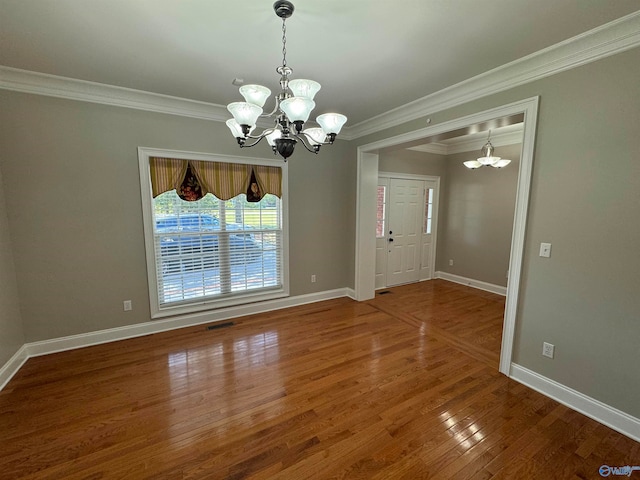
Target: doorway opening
[368,157]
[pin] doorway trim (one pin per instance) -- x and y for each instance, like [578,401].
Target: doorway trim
[367,181]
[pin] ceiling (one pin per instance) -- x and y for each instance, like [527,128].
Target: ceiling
[369,55]
[469,139]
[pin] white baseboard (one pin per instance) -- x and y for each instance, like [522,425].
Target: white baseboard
[54,345]
[470,282]
[592,408]
[9,369]
[45,347]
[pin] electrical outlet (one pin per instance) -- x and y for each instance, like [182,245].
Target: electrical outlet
[545,250]
[547,349]
[451,262]
[313,279]
[127,305]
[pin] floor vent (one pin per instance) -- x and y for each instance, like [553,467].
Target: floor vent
[384,292]
[216,326]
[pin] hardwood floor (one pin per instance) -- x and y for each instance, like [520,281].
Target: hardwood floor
[467,318]
[404,386]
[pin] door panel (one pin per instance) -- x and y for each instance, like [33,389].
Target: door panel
[381,263]
[406,209]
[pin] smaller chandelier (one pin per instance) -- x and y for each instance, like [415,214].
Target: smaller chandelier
[293,106]
[487,159]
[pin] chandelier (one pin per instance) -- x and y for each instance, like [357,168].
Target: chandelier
[487,159]
[293,105]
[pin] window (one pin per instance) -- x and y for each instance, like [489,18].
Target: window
[212,248]
[381,210]
[209,253]
[428,211]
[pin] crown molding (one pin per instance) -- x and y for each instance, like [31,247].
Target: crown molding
[437,148]
[470,144]
[611,38]
[73,89]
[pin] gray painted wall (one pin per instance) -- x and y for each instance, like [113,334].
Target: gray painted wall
[73,200]
[11,335]
[412,162]
[585,195]
[476,217]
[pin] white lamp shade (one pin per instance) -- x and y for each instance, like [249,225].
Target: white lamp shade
[316,135]
[472,164]
[503,162]
[236,129]
[331,122]
[273,136]
[255,94]
[488,160]
[297,108]
[244,113]
[304,88]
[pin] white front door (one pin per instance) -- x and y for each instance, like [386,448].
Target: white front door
[404,238]
[407,210]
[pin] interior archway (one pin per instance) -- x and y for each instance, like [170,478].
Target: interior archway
[367,177]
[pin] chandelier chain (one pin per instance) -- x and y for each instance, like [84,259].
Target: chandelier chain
[284,43]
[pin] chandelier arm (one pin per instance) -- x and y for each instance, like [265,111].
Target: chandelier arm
[308,138]
[244,145]
[304,139]
[275,109]
[262,135]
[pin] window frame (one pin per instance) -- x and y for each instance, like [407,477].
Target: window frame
[385,185]
[201,305]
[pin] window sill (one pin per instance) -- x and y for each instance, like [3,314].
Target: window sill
[219,303]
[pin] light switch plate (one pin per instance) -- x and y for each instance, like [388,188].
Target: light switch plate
[545,250]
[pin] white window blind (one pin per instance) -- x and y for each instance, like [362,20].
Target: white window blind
[212,249]
[381,214]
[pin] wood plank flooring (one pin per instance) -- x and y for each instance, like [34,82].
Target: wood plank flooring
[404,386]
